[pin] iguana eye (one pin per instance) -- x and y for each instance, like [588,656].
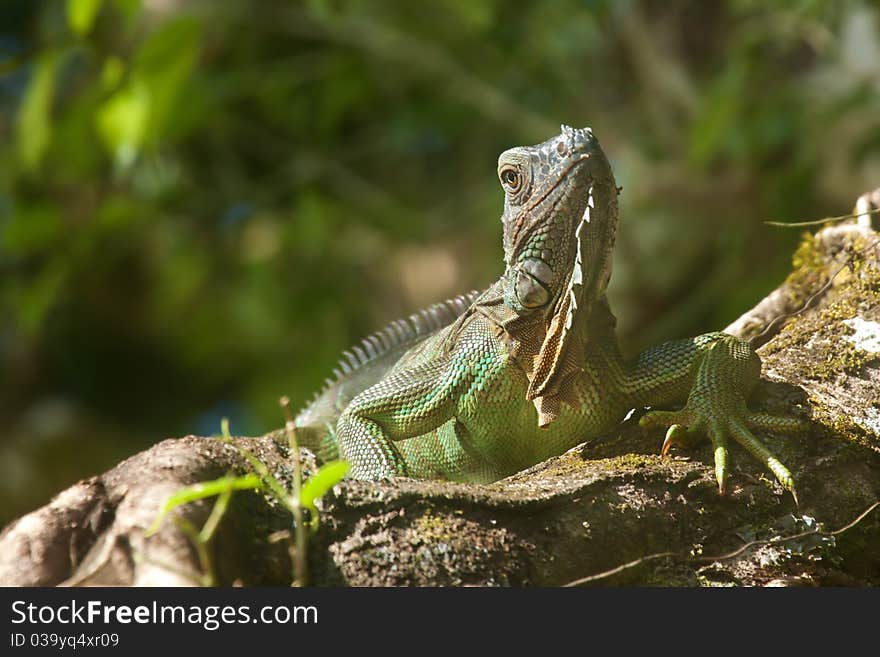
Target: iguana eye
[510,178]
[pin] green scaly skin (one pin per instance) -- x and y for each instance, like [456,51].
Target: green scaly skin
[484,386]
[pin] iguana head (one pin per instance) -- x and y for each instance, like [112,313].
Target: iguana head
[560,220]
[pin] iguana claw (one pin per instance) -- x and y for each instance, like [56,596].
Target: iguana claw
[675,435]
[685,422]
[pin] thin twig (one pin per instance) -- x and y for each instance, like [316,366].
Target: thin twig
[819,222]
[299,558]
[207,578]
[691,559]
[620,568]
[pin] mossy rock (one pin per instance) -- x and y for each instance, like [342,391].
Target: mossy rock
[612,507]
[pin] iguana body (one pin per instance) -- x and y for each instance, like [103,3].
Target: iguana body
[489,384]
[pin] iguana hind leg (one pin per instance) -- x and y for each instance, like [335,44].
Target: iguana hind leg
[719,372]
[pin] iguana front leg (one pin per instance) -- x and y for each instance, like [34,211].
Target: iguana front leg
[716,374]
[402,405]
[422,393]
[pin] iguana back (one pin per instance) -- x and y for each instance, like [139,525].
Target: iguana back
[367,362]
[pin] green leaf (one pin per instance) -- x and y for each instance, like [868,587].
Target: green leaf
[122,122]
[37,295]
[112,72]
[322,481]
[32,228]
[81,15]
[142,110]
[164,65]
[129,8]
[202,490]
[34,127]
[714,129]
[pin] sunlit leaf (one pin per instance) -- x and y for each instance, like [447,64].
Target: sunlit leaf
[202,490]
[322,481]
[318,485]
[164,65]
[81,15]
[122,122]
[34,125]
[112,72]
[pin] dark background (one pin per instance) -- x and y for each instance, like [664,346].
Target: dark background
[203,202]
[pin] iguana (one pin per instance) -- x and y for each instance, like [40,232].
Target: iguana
[490,383]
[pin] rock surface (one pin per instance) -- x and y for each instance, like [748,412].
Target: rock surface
[604,504]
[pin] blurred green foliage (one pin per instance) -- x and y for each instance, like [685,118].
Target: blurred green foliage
[202,202]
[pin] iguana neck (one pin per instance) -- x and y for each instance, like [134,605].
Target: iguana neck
[560,222]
